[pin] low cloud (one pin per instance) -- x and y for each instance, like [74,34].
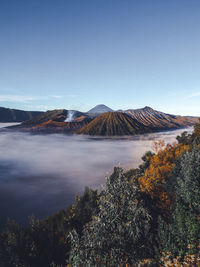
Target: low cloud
[41,174]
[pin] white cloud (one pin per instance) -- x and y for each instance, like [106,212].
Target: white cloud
[38,107]
[27,98]
[195,94]
[56,96]
[17,98]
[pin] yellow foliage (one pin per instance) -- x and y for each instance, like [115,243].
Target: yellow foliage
[156,175]
[189,260]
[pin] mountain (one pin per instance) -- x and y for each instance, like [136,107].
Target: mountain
[114,124]
[100,109]
[160,121]
[135,121]
[59,120]
[127,122]
[54,115]
[16,115]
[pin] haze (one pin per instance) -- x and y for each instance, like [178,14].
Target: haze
[41,174]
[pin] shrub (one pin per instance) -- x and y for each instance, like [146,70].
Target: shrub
[121,232]
[182,236]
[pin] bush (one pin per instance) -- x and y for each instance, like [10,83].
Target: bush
[121,232]
[182,236]
[44,242]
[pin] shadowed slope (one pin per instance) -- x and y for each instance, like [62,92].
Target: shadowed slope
[54,121]
[55,115]
[16,115]
[114,124]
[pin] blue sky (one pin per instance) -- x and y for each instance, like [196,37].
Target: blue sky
[75,54]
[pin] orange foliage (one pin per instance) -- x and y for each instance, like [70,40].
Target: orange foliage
[158,145]
[156,175]
[189,260]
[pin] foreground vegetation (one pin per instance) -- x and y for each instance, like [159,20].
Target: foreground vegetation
[149,216]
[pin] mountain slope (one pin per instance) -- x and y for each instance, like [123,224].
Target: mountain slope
[160,121]
[100,109]
[113,124]
[54,115]
[128,122]
[55,121]
[51,126]
[16,115]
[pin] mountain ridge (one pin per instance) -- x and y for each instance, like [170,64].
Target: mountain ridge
[139,121]
[157,119]
[16,115]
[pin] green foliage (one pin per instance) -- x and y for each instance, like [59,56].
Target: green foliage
[82,211]
[182,235]
[121,232]
[185,138]
[197,129]
[121,225]
[44,242]
[36,245]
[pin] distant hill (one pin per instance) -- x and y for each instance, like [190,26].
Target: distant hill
[54,115]
[100,109]
[16,115]
[114,124]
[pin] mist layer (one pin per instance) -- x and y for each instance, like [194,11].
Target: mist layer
[41,174]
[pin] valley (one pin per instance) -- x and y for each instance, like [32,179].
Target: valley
[41,174]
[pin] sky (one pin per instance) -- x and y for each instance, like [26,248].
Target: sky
[75,54]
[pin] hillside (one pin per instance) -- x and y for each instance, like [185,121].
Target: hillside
[60,120]
[136,121]
[16,115]
[118,123]
[54,115]
[113,124]
[160,121]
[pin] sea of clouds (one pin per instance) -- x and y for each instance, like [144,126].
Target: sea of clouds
[41,174]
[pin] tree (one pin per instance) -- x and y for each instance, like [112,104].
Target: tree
[197,129]
[182,236]
[158,172]
[44,242]
[122,230]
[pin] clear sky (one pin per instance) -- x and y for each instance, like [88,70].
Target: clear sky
[75,54]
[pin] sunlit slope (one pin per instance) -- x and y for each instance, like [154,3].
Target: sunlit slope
[128,122]
[159,120]
[114,124]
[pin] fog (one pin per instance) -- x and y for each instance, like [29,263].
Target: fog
[6,124]
[41,174]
